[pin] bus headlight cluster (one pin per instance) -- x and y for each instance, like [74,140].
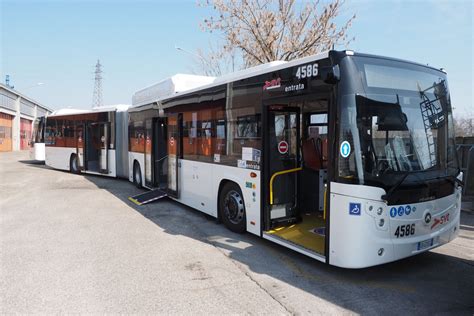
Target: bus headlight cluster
[377,212]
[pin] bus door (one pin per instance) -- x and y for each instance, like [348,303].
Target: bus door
[282,163]
[80,146]
[148,153]
[104,131]
[174,153]
[96,145]
[160,152]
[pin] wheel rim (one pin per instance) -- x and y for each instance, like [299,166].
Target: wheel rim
[234,209]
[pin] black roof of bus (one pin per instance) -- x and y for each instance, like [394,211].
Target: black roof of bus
[398,60]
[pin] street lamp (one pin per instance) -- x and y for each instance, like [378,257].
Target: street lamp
[190,53]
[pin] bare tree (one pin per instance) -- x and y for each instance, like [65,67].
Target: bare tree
[216,61]
[260,31]
[464,126]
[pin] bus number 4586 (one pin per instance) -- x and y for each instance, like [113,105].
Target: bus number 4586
[405,230]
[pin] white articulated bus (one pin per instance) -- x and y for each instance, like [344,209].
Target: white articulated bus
[89,141]
[345,157]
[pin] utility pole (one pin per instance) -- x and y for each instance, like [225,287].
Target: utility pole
[97,100]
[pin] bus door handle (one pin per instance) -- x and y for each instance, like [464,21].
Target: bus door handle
[279,173]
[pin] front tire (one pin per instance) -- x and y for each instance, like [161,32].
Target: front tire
[137,175]
[232,208]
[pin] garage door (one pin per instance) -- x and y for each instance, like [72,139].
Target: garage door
[5,132]
[25,134]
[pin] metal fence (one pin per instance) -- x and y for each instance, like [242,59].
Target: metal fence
[465,149]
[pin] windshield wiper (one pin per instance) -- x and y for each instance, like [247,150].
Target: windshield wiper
[395,186]
[451,178]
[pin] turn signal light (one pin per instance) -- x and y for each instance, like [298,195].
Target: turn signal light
[253,175]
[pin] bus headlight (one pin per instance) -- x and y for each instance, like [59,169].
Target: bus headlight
[380,211]
[381,222]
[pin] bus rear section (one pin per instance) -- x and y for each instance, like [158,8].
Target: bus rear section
[37,146]
[88,141]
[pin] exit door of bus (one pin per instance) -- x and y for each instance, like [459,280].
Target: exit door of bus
[156,169]
[283,164]
[174,153]
[80,146]
[96,143]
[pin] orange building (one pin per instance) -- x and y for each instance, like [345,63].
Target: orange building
[17,115]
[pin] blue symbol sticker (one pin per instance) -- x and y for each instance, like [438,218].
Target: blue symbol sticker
[354,208]
[345,149]
[393,212]
[408,209]
[401,210]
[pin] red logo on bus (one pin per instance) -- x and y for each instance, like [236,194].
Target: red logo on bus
[272,84]
[282,147]
[440,221]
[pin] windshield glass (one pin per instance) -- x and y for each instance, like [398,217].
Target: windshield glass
[398,123]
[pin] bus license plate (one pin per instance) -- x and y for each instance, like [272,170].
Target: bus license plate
[425,244]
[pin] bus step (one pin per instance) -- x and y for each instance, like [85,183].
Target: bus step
[147,197]
[285,221]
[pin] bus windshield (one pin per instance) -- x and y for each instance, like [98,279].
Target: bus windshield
[38,131]
[399,124]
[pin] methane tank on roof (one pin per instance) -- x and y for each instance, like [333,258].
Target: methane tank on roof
[168,87]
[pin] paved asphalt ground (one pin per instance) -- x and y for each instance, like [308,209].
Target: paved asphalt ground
[74,244]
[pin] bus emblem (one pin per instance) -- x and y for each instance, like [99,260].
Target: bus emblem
[427,218]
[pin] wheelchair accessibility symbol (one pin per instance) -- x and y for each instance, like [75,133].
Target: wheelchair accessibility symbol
[354,208]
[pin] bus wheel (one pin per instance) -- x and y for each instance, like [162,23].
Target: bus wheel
[232,208]
[73,165]
[137,175]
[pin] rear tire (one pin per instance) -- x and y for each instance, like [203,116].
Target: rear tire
[137,175]
[232,208]
[73,164]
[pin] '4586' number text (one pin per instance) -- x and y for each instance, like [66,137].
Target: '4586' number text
[307,71]
[405,230]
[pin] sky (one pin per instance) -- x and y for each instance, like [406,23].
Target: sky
[57,43]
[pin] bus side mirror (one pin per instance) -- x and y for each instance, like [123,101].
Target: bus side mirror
[330,75]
